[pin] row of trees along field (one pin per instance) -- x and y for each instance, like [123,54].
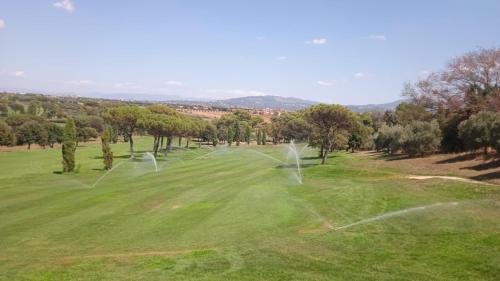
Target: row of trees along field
[111,121]
[456,109]
[453,110]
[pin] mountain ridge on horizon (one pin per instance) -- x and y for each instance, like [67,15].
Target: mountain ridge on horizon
[250,102]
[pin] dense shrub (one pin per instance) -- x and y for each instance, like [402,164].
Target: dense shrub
[7,137]
[420,138]
[478,131]
[389,138]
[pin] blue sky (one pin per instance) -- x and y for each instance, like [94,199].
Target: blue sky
[348,52]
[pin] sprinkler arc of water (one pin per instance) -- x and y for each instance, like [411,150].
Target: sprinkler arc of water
[396,213]
[293,150]
[150,155]
[107,173]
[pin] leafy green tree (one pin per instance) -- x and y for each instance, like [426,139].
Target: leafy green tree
[259,136]
[17,107]
[242,115]
[389,138]
[409,112]
[451,142]
[32,132]
[7,136]
[248,133]
[85,134]
[230,135]
[35,108]
[69,146]
[495,133]
[420,138]
[107,154]
[237,133]
[476,132]
[264,137]
[55,133]
[4,109]
[126,119]
[328,121]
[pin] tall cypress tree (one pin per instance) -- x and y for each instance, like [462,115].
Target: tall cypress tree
[230,135]
[69,146]
[264,137]
[259,136]
[107,154]
[237,133]
[248,134]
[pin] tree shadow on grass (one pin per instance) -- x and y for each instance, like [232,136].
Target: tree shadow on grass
[458,158]
[392,157]
[487,176]
[125,156]
[484,166]
[294,166]
[57,172]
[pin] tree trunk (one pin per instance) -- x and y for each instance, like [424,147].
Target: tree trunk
[156,146]
[327,149]
[29,146]
[131,143]
[485,150]
[180,141]
[169,143]
[154,143]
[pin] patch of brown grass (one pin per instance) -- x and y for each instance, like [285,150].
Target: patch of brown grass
[464,165]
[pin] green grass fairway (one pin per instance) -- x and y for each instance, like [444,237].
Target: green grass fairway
[238,214]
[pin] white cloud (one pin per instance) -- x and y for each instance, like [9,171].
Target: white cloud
[2,24]
[425,72]
[18,73]
[379,37]
[363,75]
[281,58]
[174,83]
[325,83]
[80,82]
[317,41]
[66,5]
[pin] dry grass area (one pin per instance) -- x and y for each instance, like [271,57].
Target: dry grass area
[212,114]
[466,165]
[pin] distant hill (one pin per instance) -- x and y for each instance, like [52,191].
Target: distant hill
[375,107]
[277,102]
[260,102]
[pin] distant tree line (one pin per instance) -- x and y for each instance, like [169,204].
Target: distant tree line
[456,109]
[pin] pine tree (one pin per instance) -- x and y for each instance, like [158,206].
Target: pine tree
[69,146]
[107,154]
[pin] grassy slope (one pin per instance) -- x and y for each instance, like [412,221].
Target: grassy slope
[237,215]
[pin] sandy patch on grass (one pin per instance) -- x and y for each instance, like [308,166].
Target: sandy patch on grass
[446,178]
[175,207]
